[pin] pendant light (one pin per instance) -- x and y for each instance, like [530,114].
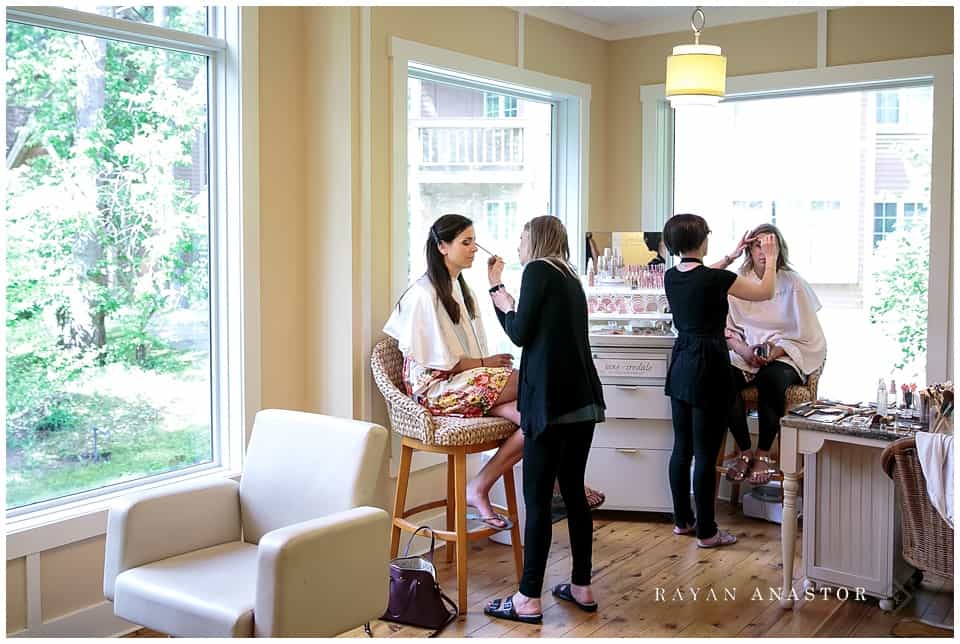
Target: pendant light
[696,74]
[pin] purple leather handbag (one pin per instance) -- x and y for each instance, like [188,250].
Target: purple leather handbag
[415,595]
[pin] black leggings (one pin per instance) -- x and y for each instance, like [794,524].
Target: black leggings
[772,381]
[697,434]
[559,453]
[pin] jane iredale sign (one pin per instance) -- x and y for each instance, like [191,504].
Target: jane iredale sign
[631,367]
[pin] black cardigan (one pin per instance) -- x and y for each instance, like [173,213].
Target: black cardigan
[557,374]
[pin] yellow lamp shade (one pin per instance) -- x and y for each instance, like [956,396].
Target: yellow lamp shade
[696,74]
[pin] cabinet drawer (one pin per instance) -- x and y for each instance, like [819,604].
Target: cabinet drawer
[632,479]
[633,401]
[645,434]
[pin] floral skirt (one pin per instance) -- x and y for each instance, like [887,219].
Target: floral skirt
[469,394]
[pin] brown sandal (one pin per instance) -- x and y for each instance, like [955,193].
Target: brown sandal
[762,470]
[738,467]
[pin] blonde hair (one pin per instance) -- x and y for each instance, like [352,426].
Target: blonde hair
[548,241]
[783,258]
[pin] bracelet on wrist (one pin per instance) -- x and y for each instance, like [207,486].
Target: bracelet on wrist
[494,289]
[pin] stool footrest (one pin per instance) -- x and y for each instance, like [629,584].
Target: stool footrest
[445,535]
[425,506]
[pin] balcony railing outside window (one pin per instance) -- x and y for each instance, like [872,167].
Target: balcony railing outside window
[470,146]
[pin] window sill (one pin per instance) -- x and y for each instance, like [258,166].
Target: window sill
[54,527]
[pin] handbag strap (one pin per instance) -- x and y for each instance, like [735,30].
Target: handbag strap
[453,605]
[433,542]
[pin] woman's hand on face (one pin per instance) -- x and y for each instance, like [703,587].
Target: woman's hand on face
[495,269]
[499,360]
[768,244]
[503,300]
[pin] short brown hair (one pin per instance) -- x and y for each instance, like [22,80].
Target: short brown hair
[684,233]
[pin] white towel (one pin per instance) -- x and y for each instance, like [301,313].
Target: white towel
[936,461]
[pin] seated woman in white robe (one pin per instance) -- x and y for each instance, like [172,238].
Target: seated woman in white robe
[447,368]
[773,344]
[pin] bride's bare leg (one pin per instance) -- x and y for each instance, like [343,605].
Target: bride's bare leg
[478,489]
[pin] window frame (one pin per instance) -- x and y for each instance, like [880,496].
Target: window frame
[571,126]
[657,162]
[233,149]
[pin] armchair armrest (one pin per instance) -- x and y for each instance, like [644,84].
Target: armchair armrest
[322,577]
[169,522]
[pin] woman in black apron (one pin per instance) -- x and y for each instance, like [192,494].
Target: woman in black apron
[699,382]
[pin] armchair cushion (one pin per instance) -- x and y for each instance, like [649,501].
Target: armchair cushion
[302,466]
[168,522]
[206,593]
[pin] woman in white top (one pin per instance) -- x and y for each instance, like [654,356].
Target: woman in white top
[773,344]
[446,366]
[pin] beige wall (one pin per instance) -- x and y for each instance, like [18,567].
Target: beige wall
[16,595]
[283,275]
[868,34]
[327,130]
[854,35]
[557,51]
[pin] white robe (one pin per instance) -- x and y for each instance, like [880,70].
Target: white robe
[788,320]
[935,452]
[425,332]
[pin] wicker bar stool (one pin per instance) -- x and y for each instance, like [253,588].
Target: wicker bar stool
[455,437]
[796,395]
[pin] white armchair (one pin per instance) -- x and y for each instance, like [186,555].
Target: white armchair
[292,550]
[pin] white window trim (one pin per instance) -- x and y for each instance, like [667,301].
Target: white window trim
[657,169]
[234,194]
[571,157]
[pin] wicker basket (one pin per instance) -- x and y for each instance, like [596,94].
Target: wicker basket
[927,539]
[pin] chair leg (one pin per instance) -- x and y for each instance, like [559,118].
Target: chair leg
[717,475]
[463,546]
[400,498]
[735,495]
[451,507]
[509,486]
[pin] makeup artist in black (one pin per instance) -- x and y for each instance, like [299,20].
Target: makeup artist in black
[560,401]
[698,381]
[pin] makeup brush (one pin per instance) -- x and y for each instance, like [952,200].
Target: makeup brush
[485,250]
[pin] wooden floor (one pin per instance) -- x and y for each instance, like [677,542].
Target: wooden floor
[634,554]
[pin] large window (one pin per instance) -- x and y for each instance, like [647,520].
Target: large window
[487,155]
[117,248]
[852,200]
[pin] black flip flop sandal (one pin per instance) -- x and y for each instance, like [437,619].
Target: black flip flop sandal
[504,609]
[562,591]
